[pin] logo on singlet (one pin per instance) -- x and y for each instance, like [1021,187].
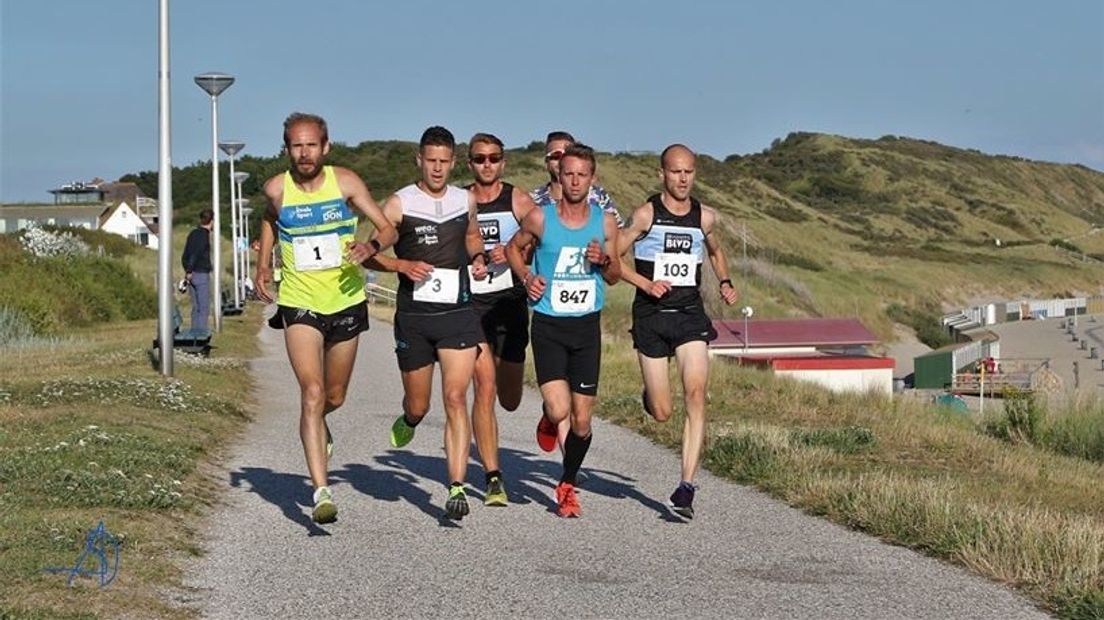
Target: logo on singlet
[427,234]
[572,261]
[677,242]
[489,230]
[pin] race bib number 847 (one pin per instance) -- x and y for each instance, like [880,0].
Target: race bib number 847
[573,296]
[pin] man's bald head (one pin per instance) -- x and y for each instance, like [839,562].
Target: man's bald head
[676,150]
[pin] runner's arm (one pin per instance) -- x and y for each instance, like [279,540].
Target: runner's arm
[474,241]
[717,258]
[360,197]
[273,192]
[531,230]
[635,228]
[611,263]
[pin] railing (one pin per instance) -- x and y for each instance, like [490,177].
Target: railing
[1031,375]
[379,294]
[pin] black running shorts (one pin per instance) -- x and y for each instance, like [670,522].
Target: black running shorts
[657,333]
[569,349]
[337,327]
[505,323]
[419,336]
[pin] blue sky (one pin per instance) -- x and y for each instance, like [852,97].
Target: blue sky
[78,78]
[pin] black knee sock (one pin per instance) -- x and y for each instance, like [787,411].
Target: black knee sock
[494,473]
[406,420]
[575,449]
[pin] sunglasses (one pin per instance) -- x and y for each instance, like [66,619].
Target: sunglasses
[553,155]
[479,158]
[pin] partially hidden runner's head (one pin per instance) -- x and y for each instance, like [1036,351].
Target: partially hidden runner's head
[206,217]
[554,146]
[577,168]
[436,157]
[307,142]
[676,170]
[486,158]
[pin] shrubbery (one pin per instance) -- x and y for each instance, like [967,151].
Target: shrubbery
[925,322]
[57,287]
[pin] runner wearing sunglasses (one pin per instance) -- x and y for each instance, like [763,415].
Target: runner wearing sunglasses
[499,300]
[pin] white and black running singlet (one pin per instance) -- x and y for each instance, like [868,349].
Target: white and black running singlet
[672,249]
[433,230]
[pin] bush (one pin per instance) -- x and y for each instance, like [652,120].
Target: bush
[1021,420]
[53,294]
[925,322]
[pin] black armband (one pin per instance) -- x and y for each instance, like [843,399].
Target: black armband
[724,282]
[375,245]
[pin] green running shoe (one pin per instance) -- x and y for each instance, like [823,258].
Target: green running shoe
[496,493]
[457,505]
[401,432]
[325,511]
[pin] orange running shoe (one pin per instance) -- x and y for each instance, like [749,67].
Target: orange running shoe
[566,498]
[546,434]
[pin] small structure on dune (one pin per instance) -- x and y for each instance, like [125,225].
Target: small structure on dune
[830,352]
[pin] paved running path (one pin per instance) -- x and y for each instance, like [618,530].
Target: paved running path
[391,554]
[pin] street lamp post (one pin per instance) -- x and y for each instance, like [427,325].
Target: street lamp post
[245,211]
[747,311]
[232,148]
[239,178]
[213,84]
[164,198]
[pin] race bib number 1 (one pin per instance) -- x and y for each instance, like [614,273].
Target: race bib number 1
[499,278]
[573,296]
[678,269]
[441,287]
[317,252]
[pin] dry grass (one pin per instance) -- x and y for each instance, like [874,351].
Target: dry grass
[902,471]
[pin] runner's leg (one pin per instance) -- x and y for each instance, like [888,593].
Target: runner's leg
[484,422]
[693,363]
[305,352]
[657,387]
[457,366]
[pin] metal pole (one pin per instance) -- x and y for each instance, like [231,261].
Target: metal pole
[216,234]
[164,200]
[234,233]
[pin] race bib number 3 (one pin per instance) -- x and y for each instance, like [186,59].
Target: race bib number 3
[678,269]
[499,278]
[316,252]
[573,296]
[441,287]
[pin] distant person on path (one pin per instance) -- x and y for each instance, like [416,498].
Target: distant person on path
[670,236]
[434,319]
[554,145]
[312,212]
[567,304]
[196,261]
[500,302]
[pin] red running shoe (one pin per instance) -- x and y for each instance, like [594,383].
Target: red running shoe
[567,500]
[546,434]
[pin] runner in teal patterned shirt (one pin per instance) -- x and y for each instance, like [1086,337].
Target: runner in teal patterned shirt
[554,146]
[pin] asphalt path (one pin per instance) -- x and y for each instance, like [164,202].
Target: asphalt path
[392,552]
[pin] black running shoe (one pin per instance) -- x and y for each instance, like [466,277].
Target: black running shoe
[682,500]
[457,505]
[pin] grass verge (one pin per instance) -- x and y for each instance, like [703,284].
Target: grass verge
[900,470]
[90,432]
